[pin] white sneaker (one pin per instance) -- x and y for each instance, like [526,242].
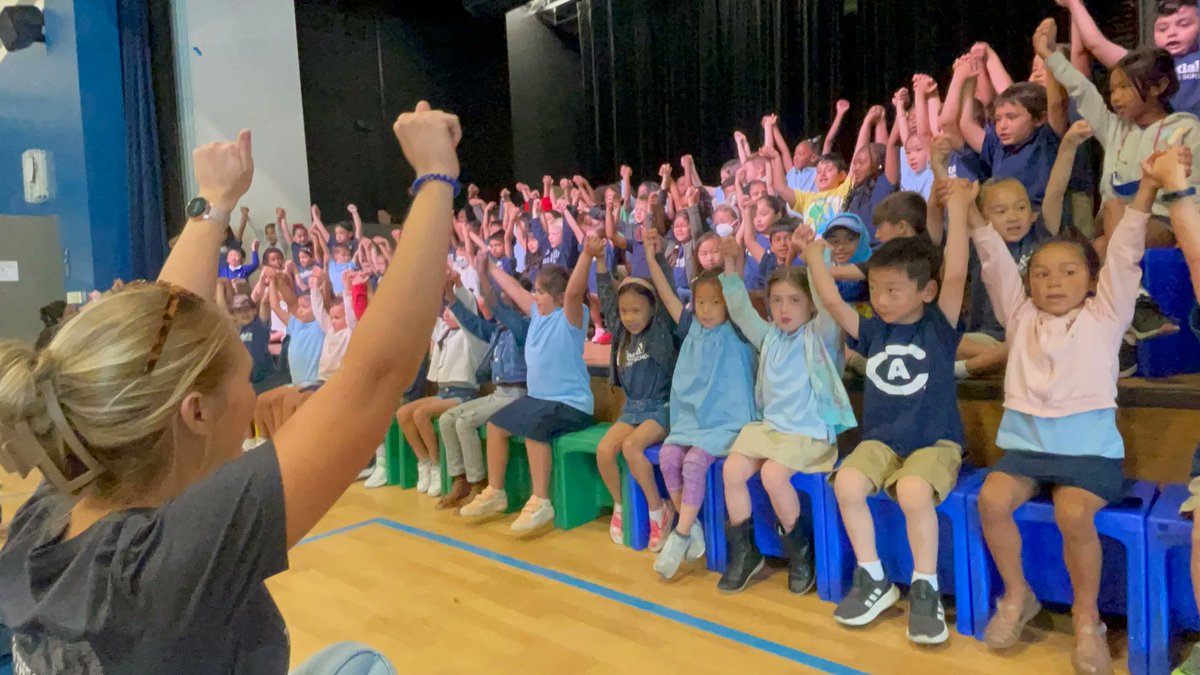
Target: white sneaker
[365,473]
[487,503]
[537,512]
[422,476]
[696,548]
[435,481]
[378,476]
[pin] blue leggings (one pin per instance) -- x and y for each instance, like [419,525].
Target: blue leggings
[346,658]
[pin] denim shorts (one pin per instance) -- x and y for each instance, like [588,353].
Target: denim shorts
[463,394]
[641,410]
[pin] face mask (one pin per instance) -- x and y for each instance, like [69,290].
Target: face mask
[724,229]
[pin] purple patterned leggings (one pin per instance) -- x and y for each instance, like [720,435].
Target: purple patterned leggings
[687,469]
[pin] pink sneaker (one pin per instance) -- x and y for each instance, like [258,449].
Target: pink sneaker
[659,531]
[616,528]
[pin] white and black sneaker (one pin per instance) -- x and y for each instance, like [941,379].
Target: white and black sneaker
[926,615]
[866,600]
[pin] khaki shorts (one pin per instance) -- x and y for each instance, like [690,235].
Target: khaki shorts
[1192,503]
[795,451]
[982,339]
[937,465]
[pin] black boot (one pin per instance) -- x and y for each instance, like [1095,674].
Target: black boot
[742,560]
[798,544]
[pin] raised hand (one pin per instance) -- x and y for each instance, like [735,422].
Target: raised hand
[1078,133]
[962,193]
[900,99]
[610,199]
[692,196]
[875,113]
[664,171]
[814,252]
[472,191]
[1044,37]
[594,246]
[523,188]
[246,211]
[429,139]
[842,106]
[279,213]
[943,145]
[352,208]
[224,170]
[254,245]
[768,152]
[739,137]
[729,247]
[505,194]
[979,51]
[802,236]
[316,213]
[626,172]
[686,161]
[652,242]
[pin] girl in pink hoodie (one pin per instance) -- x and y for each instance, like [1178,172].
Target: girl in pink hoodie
[1065,322]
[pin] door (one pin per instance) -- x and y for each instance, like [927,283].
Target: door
[32,244]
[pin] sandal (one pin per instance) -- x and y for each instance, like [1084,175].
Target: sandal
[1007,624]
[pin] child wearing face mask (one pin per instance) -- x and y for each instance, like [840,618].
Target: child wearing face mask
[642,360]
[712,398]
[1065,325]
[799,389]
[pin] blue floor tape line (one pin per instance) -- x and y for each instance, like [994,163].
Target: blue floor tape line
[732,634]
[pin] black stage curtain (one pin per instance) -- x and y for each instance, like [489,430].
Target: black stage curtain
[670,77]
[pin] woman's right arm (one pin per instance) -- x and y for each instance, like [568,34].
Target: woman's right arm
[320,452]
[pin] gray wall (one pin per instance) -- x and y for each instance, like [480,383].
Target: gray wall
[33,242]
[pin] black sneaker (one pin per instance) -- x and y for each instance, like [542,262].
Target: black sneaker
[1149,321]
[866,600]
[1127,356]
[926,616]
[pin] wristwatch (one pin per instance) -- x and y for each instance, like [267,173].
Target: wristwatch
[1168,197]
[201,208]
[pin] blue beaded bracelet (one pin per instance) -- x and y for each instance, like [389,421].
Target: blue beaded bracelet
[421,180]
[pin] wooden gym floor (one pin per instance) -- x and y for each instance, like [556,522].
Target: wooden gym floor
[440,596]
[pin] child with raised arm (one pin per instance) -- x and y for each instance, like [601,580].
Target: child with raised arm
[1023,141]
[1065,322]
[875,167]
[454,356]
[799,389]
[912,433]
[1142,83]
[1176,28]
[232,266]
[504,365]
[642,360]
[833,187]
[712,398]
[560,393]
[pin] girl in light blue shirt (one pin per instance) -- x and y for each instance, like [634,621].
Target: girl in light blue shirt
[712,398]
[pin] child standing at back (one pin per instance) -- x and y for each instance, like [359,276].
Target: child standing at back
[1065,325]
[805,406]
[560,393]
[712,398]
[912,432]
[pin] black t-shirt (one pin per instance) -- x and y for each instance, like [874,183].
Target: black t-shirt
[176,589]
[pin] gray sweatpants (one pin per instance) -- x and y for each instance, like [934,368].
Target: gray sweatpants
[460,431]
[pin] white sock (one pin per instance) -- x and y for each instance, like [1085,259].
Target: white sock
[960,370]
[931,578]
[657,515]
[874,568]
[616,509]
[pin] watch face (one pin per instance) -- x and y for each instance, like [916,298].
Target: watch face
[197,207]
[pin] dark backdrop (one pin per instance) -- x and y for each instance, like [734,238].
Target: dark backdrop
[362,63]
[673,76]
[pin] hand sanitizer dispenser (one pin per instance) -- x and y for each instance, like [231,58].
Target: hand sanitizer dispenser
[38,178]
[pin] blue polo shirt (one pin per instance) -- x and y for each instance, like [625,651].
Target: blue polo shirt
[1029,162]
